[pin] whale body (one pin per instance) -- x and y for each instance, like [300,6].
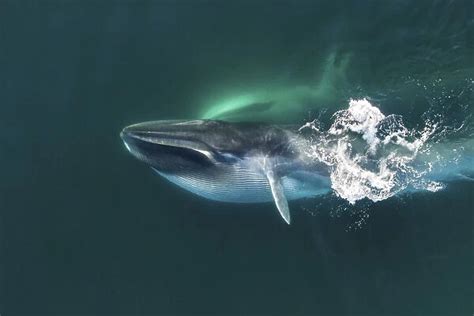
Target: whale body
[229,161]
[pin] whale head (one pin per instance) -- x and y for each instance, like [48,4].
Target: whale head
[180,146]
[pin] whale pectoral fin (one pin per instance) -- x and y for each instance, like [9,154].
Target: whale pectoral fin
[279,196]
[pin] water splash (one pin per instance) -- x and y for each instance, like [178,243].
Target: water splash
[374,156]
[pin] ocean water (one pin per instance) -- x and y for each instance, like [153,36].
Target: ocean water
[86,229]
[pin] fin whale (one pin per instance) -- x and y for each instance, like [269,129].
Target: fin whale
[229,161]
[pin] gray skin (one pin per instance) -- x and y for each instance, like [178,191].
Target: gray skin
[229,162]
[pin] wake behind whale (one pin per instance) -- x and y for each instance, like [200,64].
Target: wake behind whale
[364,154]
[373,156]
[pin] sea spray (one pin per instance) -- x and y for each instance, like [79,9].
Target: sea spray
[374,156]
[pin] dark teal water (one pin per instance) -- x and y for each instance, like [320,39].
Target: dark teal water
[85,229]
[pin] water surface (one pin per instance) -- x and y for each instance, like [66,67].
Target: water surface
[88,230]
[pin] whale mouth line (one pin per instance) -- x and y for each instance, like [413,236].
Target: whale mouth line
[165,140]
[160,138]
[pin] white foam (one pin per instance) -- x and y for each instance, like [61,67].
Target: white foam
[370,155]
[362,118]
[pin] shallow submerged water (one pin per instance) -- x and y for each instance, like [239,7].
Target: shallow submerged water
[87,229]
